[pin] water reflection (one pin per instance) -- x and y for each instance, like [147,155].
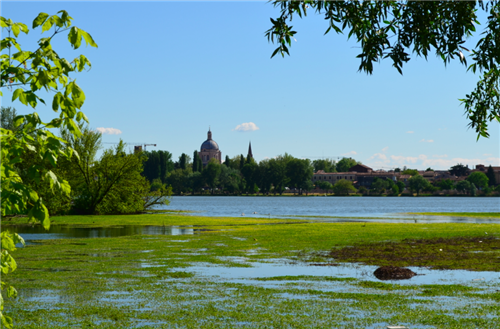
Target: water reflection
[37,232]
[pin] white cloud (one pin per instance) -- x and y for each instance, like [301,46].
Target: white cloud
[410,132]
[350,153]
[487,154]
[427,140]
[247,126]
[385,149]
[422,161]
[109,131]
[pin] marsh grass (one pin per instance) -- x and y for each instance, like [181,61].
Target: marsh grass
[149,281]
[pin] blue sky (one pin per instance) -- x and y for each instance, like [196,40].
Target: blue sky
[166,71]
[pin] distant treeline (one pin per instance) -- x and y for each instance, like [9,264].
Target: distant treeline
[237,175]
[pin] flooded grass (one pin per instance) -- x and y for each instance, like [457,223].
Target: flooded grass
[243,274]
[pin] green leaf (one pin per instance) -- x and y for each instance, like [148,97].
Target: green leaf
[88,39]
[47,25]
[40,19]
[18,120]
[11,292]
[75,37]
[15,30]
[16,94]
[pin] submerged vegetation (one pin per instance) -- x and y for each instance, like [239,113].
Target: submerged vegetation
[245,272]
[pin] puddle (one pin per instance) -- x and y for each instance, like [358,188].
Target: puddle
[37,232]
[278,267]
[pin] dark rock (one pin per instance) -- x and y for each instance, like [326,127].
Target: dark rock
[393,273]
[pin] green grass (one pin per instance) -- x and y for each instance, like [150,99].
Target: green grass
[150,281]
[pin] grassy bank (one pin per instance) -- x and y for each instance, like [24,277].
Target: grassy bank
[158,281]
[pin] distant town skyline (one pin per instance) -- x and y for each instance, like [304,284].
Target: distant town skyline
[166,71]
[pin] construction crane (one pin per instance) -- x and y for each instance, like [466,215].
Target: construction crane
[137,146]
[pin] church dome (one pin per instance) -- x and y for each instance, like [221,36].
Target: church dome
[210,144]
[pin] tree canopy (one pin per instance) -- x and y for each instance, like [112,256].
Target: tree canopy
[398,30]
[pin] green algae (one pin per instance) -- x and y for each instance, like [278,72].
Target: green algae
[148,281]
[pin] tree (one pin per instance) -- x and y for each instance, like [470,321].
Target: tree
[395,190]
[277,174]
[227,162]
[473,189]
[7,116]
[459,170]
[195,181]
[380,185]
[429,169]
[298,172]
[112,184]
[197,163]
[446,184]
[411,172]
[211,174]
[343,187]
[463,186]
[345,163]
[327,165]
[230,179]
[479,179]
[418,183]
[27,73]
[401,185]
[491,176]
[249,172]
[264,176]
[178,179]
[394,30]
[324,185]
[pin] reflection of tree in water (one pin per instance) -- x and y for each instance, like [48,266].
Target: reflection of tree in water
[37,232]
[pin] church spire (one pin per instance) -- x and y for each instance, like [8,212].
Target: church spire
[250,150]
[209,135]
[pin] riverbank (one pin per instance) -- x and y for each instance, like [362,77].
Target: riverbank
[251,272]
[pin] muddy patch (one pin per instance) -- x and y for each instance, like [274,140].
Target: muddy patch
[468,253]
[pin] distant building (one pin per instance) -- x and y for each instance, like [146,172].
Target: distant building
[209,150]
[360,168]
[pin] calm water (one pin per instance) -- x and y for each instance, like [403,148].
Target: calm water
[33,233]
[330,206]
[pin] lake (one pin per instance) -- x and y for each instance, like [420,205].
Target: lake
[233,206]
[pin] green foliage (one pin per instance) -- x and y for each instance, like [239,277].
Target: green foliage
[211,174]
[401,185]
[178,179]
[112,184]
[345,164]
[277,173]
[479,179]
[446,184]
[395,30]
[395,189]
[463,186]
[27,73]
[343,187]
[459,170]
[299,172]
[324,185]
[197,163]
[157,165]
[492,181]
[327,165]
[411,172]
[418,183]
